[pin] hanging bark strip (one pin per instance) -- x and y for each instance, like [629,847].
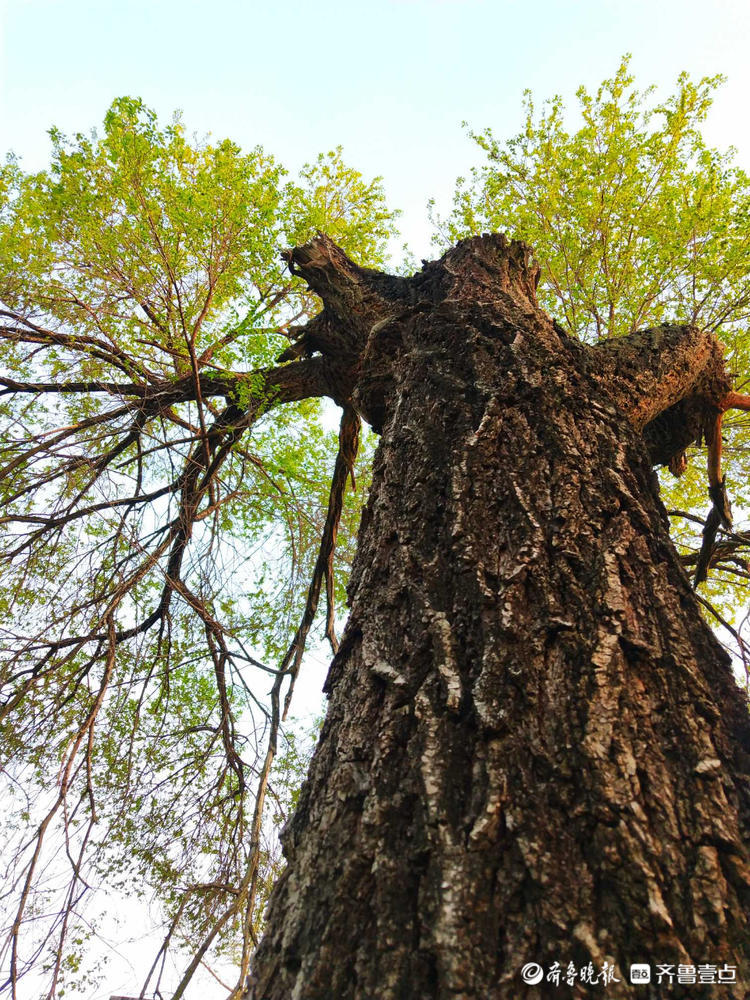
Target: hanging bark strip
[343,470]
[535,750]
[721,511]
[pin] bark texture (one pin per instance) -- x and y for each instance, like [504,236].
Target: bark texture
[535,749]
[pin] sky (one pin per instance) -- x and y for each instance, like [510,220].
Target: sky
[389,80]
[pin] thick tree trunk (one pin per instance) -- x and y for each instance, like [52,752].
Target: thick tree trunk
[535,750]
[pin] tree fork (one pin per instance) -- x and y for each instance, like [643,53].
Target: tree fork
[535,750]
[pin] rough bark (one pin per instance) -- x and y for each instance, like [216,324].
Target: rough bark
[535,749]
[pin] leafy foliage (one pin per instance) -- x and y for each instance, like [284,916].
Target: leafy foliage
[634,219]
[155,559]
[635,222]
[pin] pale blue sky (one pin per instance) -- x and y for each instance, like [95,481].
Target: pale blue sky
[390,80]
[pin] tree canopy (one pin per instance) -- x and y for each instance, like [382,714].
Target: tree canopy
[168,526]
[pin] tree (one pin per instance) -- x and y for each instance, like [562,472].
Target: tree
[142,304]
[535,749]
[520,622]
[526,705]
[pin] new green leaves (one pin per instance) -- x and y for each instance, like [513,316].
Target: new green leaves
[632,217]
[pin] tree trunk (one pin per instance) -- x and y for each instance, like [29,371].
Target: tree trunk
[535,750]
